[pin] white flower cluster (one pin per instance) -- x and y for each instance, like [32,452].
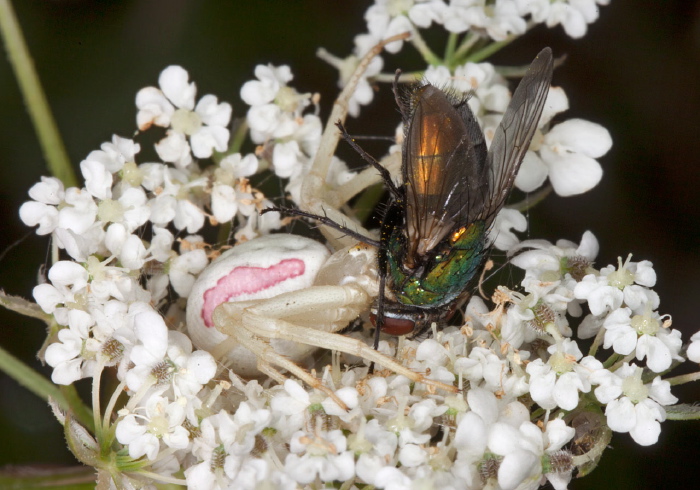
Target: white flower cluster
[289,137]
[499,20]
[103,292]
[532,407]
[494,19]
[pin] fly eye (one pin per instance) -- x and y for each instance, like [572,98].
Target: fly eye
[394,326]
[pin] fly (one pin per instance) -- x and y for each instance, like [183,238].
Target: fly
[434,237]
[434,234]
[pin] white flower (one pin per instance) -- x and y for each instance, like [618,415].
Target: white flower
[601,296]
[322,455]
[183,269]
[694,348]
[573,15]
[79,211]
[173,106]
[569,150]
[64,357]
[98,181]
[633,406]
[507,219]
[221,466]
[376,446]
[188,216]
[67,279]
[644,334]
[291,406]
[130,209]
[607,291]
[387,18]
[270,80]
[47,194]
[162,421]
[116,154]
[127,247]
[165,357]
[274,105]
[152,335]
[533,171]
[558,382]
[363,94]
[498,20]
[238,166]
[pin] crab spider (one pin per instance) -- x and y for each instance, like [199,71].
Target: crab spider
[270,302]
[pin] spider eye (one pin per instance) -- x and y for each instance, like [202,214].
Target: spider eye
[395,326]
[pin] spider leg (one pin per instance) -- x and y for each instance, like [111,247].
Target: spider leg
[268,357]
[313,192]
[280,329]
[325,220]
[383,172]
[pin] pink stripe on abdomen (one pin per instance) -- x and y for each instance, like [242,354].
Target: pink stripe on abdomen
[248,280]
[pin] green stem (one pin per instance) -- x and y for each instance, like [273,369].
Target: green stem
[610,361]
[532,199]
[489,49]
[405,77]
[42,387]
[683,378]
[619,363]
[420,45]
[79,410]
[37,105]
[469,40]
[599,338]
[450,48]
[239,136]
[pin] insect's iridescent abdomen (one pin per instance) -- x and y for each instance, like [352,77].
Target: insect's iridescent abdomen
[446,274]
[432,140]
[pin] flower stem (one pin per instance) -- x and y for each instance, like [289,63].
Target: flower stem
[37,105]
[684,378]
[469,40]
[600,336]
[450,48]
[42,387]
[421,46]
[489,49]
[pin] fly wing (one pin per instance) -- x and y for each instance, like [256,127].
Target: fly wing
[515,132]
[444,165]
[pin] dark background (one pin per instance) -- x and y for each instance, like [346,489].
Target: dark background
[636,72]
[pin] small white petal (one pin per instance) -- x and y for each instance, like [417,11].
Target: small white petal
[571,173]
[173,82]
[532,173]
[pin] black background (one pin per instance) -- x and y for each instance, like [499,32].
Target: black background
[636,72]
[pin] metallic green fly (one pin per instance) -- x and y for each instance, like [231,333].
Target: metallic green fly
[435,232]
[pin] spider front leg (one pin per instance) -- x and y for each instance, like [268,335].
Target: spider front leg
[316,199]
[265,327]
[287,318]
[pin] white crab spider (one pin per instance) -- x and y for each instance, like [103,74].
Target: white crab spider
[270,302]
